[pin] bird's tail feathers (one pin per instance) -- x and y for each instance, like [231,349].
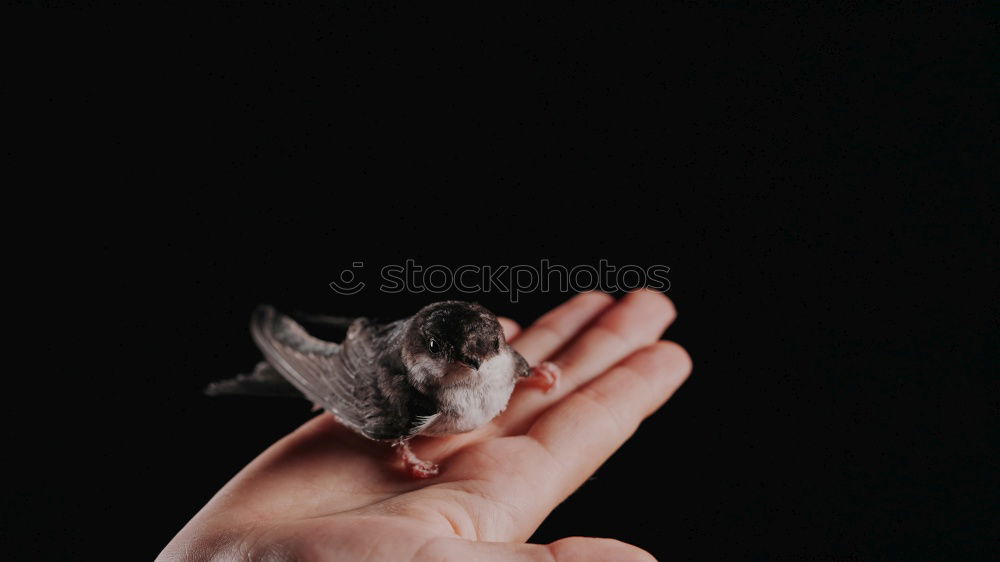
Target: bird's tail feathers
[263,381]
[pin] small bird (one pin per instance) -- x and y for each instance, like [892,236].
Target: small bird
[447,369]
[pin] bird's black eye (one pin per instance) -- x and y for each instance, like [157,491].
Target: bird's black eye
[434,346]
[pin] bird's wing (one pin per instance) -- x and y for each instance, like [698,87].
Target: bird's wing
[338,377]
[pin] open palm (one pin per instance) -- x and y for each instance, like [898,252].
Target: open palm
[325,493]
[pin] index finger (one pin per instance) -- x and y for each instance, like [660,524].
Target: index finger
[511,329]
[590,424]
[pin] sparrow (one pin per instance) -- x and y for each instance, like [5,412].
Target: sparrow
[447,369]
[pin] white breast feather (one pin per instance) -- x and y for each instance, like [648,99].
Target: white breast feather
[472,406]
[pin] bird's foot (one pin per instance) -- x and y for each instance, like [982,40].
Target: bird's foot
[414,465]
[545,376]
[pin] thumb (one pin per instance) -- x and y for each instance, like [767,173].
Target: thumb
[564,550]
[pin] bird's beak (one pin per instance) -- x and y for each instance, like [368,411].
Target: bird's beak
[471,363]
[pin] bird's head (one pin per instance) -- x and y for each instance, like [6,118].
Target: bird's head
[448,343]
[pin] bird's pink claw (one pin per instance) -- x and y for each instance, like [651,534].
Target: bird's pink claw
[415,466]
[545,376]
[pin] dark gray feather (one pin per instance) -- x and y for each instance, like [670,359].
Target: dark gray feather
[349,379]
[263,381]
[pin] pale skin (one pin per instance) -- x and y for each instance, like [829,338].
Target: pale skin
[325,493]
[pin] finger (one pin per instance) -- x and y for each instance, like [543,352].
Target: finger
[587,548]
[588,426]
[560,325]
[511,329]
[569,549]
[635,321]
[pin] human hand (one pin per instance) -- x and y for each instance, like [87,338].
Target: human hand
[325,493]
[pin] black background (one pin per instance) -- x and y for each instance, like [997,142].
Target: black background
[817,183]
